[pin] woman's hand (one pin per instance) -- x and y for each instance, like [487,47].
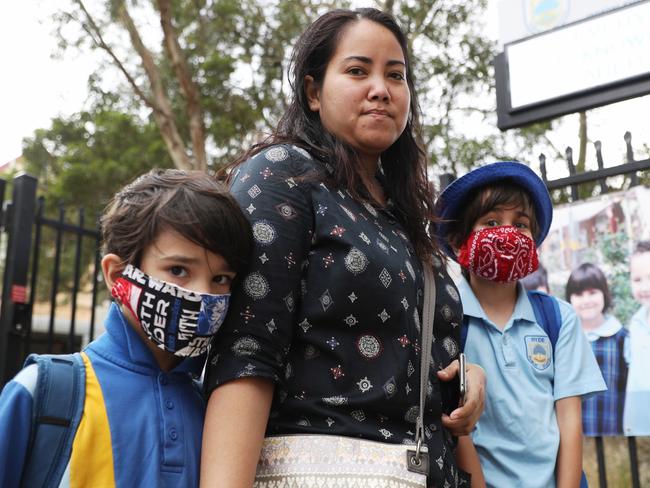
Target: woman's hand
[462,420]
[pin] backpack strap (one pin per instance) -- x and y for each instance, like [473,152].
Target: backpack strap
[58,404]
[547,314]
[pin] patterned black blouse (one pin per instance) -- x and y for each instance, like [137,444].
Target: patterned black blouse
[330,311]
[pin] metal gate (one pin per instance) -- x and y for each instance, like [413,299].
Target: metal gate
[24,225]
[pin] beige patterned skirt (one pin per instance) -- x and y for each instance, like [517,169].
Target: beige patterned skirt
[322,461]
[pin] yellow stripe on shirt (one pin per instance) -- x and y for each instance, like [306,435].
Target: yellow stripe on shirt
[91,463]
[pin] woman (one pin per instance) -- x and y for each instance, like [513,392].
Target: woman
[323,336]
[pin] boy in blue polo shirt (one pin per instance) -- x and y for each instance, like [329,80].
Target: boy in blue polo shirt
[173,243]
[530,433]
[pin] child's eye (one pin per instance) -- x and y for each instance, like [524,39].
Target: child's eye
[178,271]
[521,225]
[492,223]
[222,279]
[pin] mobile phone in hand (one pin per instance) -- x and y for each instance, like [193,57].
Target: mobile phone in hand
[462,378]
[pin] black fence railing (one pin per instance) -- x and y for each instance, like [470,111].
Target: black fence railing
[30,234]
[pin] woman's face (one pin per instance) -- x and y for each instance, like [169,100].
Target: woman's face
[364,97]
[588,304]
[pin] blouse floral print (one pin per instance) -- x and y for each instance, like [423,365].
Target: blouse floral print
[330,311]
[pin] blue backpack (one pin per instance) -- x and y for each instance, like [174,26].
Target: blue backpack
[547,315]
[58,404]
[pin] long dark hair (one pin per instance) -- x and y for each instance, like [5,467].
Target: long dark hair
[404,163]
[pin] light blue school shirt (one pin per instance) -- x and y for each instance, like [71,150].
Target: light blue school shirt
[517,437]
[636,419]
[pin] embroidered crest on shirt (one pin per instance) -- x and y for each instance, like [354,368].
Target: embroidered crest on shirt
[538,351]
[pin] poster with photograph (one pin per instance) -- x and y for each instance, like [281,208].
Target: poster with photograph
[597,257]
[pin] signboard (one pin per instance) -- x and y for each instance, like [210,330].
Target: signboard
[585,64]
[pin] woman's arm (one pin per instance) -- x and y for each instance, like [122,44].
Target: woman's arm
[568,469]
[462,420]
[233,432]
[468,460]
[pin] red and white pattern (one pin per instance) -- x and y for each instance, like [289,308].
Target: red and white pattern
[502,254]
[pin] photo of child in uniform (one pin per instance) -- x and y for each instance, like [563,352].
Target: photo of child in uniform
[636,419]
[588,292]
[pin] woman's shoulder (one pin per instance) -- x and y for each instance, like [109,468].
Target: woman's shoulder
[286,158]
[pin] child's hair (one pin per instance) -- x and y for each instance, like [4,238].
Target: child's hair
[191,203]
[585,277]
[484,200]
[641,247]
[536,280]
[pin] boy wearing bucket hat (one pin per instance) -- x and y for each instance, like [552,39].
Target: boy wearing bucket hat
[530,434]
[126,411]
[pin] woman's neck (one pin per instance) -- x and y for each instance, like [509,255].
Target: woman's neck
[497,299]
[367,172]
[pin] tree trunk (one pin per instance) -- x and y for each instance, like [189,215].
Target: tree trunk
[164,116]
[188,87]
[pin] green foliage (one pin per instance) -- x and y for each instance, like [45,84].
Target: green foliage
[238,53]
[81,162]
[615,252]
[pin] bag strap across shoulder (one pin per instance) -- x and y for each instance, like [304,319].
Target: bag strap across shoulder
[418,461]
[58,405]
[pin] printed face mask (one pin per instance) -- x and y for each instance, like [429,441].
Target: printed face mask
[501,254]
[177,320]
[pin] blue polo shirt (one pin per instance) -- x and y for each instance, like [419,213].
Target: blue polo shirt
[517,437]
[155,418]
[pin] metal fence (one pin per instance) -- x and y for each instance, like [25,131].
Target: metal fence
[24,225]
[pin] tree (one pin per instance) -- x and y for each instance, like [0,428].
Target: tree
[80,162]
[218,77]
[214,75]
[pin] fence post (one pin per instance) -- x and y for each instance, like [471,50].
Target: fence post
[14,310]
[629,156]
[445,180]
[572,172]
[601,165]
[542,167]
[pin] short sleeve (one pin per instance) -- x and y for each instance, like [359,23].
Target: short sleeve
[15,425]
[272,189]
[576,369]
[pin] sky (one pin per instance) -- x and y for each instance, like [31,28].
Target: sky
[34,87]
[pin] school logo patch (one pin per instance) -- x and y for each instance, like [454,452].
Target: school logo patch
[538,351]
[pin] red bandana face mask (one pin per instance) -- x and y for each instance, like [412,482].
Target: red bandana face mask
[501,254]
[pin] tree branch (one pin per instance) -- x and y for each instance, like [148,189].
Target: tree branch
[94,33]
[188,88]
[164,117]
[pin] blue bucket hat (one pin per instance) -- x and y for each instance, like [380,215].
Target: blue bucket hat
[453,199]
